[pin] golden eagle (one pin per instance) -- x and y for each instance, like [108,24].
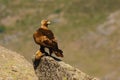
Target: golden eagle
[45,38]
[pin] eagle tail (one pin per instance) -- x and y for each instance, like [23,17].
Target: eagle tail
[59,53]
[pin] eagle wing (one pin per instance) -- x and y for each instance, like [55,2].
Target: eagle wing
[50,41]
[45,38]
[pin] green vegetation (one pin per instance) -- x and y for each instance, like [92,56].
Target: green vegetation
[75,26]
[2,29]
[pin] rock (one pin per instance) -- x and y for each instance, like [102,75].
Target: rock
[14,66]
[51,68]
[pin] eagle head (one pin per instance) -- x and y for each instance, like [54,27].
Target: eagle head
[45,22]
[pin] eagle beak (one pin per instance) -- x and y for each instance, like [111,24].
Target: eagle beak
[48,22]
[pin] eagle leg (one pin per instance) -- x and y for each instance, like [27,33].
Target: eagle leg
[42,49]
[50,52]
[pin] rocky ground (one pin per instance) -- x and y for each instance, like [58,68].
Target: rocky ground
[14,66]
[51,68]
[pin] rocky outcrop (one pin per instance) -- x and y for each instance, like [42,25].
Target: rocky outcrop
[14,66]
[51,68]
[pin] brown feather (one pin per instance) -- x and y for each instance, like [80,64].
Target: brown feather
[45,37]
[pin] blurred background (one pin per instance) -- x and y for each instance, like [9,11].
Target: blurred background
[87,31]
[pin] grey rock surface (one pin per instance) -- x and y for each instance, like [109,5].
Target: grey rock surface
[51,68]
[14,66]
